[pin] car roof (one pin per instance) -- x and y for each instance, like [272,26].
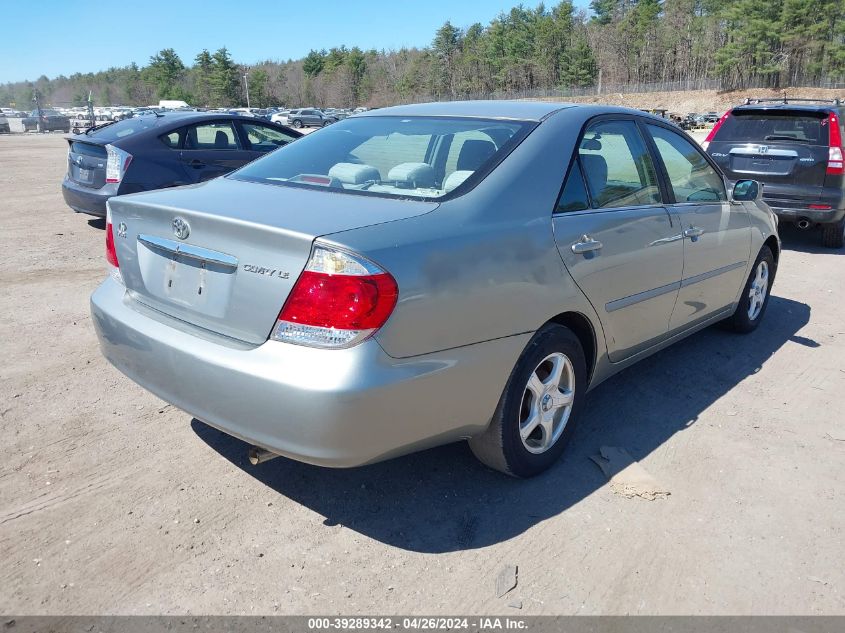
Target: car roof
[519,110]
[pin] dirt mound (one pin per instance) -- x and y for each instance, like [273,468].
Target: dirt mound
[704,100]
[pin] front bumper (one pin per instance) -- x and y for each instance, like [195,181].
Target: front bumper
[86,200]
[328,407]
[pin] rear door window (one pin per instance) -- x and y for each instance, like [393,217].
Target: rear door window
[617,166]
[691,177]
[217,136]
[781,126]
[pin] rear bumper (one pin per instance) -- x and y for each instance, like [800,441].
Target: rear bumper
[792,203]
[336,408]
[86,200]
[793,214]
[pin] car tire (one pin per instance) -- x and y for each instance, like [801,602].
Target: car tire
[755,294]
[325,123]
[833,234]
[512,443]
[297,124]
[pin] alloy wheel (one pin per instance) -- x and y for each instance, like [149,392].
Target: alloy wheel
[758,290]
[547,403]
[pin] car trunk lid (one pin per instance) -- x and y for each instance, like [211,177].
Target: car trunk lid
[86,163]
[224,255]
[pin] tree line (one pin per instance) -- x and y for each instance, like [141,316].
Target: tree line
[770,43]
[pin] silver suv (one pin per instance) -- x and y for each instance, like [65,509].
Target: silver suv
[310,117]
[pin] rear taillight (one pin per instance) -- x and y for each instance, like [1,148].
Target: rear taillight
[835,159]
[706,142]
[117,163]
[339,300]
[111,251]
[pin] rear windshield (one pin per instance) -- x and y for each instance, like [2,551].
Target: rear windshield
[89,149]
[756,126]
[406,157]
[122,129]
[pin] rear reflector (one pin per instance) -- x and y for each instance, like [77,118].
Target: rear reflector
[820,207]
[339,300]
[706,142]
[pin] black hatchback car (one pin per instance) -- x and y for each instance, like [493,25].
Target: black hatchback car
[165,150]
[794,148]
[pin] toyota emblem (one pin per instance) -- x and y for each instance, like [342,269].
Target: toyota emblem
[181,228]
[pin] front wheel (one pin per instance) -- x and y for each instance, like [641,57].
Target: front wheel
[833,235]
[755,295]
[539,407]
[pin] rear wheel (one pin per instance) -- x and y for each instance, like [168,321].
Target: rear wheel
[538,410]
[755,295]
[297,123]
[833,235]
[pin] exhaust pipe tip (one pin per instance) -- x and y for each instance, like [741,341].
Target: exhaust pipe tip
[803,224]
[258,455]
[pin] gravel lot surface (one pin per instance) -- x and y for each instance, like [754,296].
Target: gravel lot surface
[112,502]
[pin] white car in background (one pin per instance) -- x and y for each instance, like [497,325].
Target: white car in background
[280,117]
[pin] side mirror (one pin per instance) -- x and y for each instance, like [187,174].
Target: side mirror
[746,191]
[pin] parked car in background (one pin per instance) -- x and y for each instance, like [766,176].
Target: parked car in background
[475,266]
[46,120]
[711,117]
[4,125]
[795,149]
[310,117]
[280,117]
[162,150]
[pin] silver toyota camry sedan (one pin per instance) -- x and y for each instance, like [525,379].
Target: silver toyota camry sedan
[430,273]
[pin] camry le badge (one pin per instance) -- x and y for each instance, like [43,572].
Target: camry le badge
[181,228]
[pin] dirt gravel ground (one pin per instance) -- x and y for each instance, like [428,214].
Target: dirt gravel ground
[112,502]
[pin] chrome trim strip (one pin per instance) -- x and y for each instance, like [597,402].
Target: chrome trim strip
[754,150]
[689,281]
[188,250]
[618,304]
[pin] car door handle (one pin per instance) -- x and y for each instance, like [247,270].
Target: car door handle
[693,231]
[196,163]
[585,245]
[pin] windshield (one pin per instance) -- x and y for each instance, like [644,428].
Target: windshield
[407,157]
[756,126]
